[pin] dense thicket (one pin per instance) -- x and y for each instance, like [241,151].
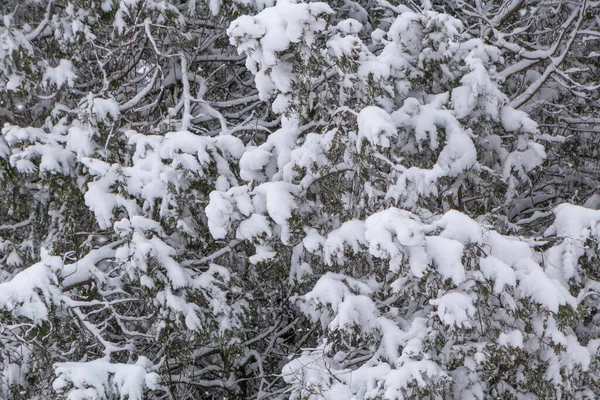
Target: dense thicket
[306,200]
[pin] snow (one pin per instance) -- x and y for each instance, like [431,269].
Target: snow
[179,305]
[498,272]
[401,31]
[276,152]
[458,155]
[30,292]
[386,229]
[547,292]
[34,143]
[14,259]
[509,250]
[511,339]
[313,240]
[279,200]
[457,226]
[455,309]
[447,255]
[355,311]
[409,373]
[349,26]
[517,120]
[479,90]
[14,82]
[575,221]
[86,267]
[262,253]
[462,101]
[376,126]
[106,107]
[528,156]
[339,292]
[102,202]
[574,224]
[221,206]
[98,378]
[80,141]
[254,160]
[60,75]
[256,225]
[350,234]
[374,69]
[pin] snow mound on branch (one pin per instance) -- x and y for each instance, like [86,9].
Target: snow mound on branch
[225,207]
[456,225]
[548,292]
[30,143]
[345,297]
[14,82]
[279,200]
[458,152]
[480,90]
[386,229]
[62,74]
[517,120]
[272,31]
[447,255]
[575,221]
[99,378]
[575,225]
[411,372]
[376,126]
[511,339]
[254,226]
[272,156]
[529,155]
[497,271]
[455,309]
[105,108]
[29,292]
[351,234]
[458,155]
[158,163]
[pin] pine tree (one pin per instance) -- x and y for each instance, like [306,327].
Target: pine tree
[305,200]
[396,194]
[119,123]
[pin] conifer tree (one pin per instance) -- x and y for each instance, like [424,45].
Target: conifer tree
[299,199]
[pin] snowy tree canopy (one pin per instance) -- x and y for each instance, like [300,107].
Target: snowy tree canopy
[286,199]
